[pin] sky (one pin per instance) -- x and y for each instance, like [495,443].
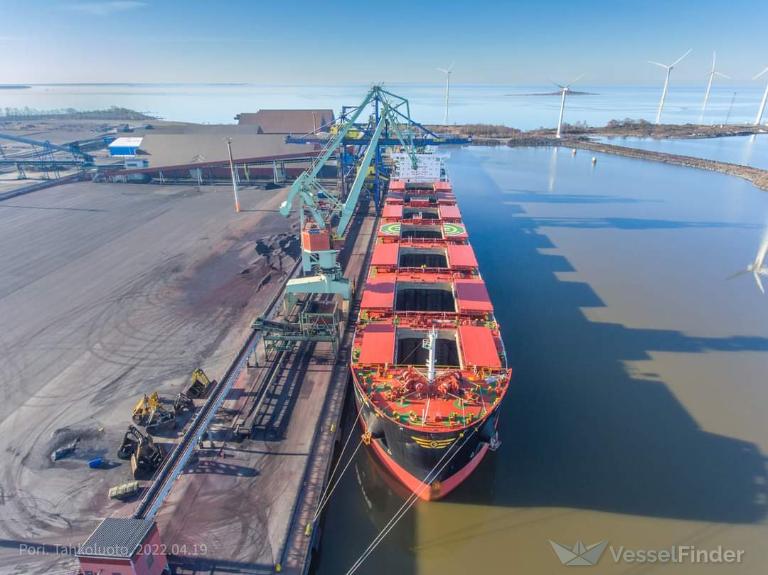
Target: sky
[342,41]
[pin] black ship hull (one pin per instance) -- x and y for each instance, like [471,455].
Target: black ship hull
[430,464]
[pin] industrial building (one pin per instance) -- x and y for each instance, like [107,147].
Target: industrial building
[125,146]
[199,152]
[123,546]
[287,121]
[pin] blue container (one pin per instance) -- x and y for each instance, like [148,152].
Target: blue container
[95,463]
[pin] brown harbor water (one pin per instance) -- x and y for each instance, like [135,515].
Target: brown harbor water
[638,410]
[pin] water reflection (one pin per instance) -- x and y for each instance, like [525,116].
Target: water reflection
[593,432]
[746,150]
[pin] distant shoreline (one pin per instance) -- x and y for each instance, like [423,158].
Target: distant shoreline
[14,87]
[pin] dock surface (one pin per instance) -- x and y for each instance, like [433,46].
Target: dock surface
[108,292]
[244,507]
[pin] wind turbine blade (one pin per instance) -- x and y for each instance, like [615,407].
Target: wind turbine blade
[574,81]
[680,59]
[714,59]
[558,85]
[450,68]
[443,70]
[659,64]
[761,252]
[758,281]
[760,74]
[737,274]
[722,75]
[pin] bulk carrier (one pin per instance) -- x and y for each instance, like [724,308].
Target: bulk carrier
[428,361]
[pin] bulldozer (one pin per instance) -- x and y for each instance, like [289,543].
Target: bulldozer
[144,454]
[199,385]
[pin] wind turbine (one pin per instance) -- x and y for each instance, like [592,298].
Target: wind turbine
[756,267]
[762,103]
[563,92]
[668,68]
[712,73]
[447,71]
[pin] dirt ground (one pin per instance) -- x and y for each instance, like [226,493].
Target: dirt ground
[106,292]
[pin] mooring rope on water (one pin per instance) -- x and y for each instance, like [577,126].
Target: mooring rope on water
[410,502]
[326,495]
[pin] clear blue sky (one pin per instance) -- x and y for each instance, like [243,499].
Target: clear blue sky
[341,41]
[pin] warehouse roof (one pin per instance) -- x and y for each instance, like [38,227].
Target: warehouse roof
[117,537]
[287,121]
[126,142]
[170,149]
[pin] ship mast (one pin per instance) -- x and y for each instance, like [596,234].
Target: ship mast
[429,344]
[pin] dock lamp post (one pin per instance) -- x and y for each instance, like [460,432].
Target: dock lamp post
[234,174]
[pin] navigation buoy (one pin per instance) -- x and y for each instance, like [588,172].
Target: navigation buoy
[594,160]
[573,153]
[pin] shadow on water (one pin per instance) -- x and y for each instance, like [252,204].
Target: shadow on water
[578,429]
[626,224]
[533,196]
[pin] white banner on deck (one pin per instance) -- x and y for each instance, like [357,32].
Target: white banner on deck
[428,167]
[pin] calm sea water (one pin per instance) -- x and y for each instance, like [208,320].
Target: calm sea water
[497,104]
[637,413]
[746,150]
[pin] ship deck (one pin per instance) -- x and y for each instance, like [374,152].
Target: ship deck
[423,275]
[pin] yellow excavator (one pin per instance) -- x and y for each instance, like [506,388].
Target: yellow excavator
[144,408]
[150,413]
[199,385]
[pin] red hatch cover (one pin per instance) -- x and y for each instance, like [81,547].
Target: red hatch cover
[379,294]
[471,295]
[442,186]
[459,256]
[397,185]
[378,344]
[478,346]
[385,254]
[448,211]
[392,211]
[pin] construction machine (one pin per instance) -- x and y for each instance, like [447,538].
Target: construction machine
[141,449]
[144,408]
[200,385]
[149,412]
[183,403]
[146,459]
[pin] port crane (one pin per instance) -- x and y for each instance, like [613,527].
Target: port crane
[324,215]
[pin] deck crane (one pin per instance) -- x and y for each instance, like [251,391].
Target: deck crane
[319,240]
